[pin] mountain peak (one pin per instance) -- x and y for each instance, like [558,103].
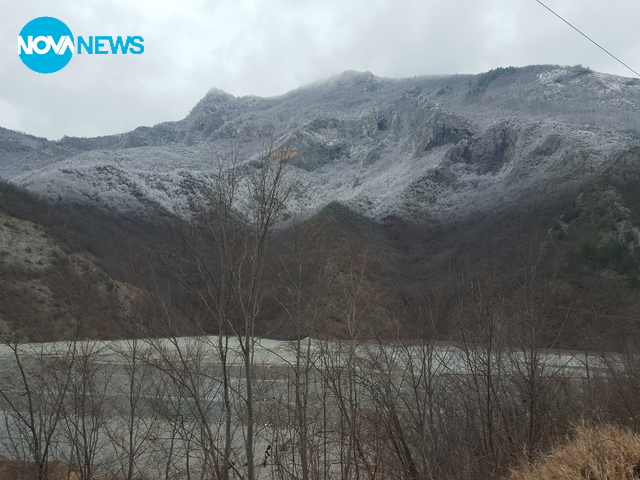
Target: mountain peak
[217,94]
[419,147]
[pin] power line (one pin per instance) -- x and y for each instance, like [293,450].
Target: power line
[590,39]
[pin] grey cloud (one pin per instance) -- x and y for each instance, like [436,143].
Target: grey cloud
[267,48]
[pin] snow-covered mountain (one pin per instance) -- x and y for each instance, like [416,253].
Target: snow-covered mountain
[432,177]
[420,148]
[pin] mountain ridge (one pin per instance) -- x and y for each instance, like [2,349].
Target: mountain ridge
[433,175]
[424,146]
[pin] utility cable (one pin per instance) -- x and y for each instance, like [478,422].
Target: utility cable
[590,39]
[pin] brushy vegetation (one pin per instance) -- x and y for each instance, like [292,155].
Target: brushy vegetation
[597,452]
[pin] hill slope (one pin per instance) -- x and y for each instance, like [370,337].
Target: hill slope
[423,148]
[435,175]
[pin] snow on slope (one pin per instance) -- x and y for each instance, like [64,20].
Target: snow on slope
[430,147]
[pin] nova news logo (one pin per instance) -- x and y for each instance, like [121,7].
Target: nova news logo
[46,45]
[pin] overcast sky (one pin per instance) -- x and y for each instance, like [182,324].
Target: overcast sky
[268,47]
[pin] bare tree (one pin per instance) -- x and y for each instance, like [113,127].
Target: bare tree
[306,280]
[134,426]
[34,391]
[87,411]
[224,256]
[619,390]
[239,209]
[533,369]
[482,325]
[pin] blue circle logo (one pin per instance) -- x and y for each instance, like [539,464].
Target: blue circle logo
[45,45]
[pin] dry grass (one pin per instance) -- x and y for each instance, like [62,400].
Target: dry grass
[600,452]
[16,470]
[56,470]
